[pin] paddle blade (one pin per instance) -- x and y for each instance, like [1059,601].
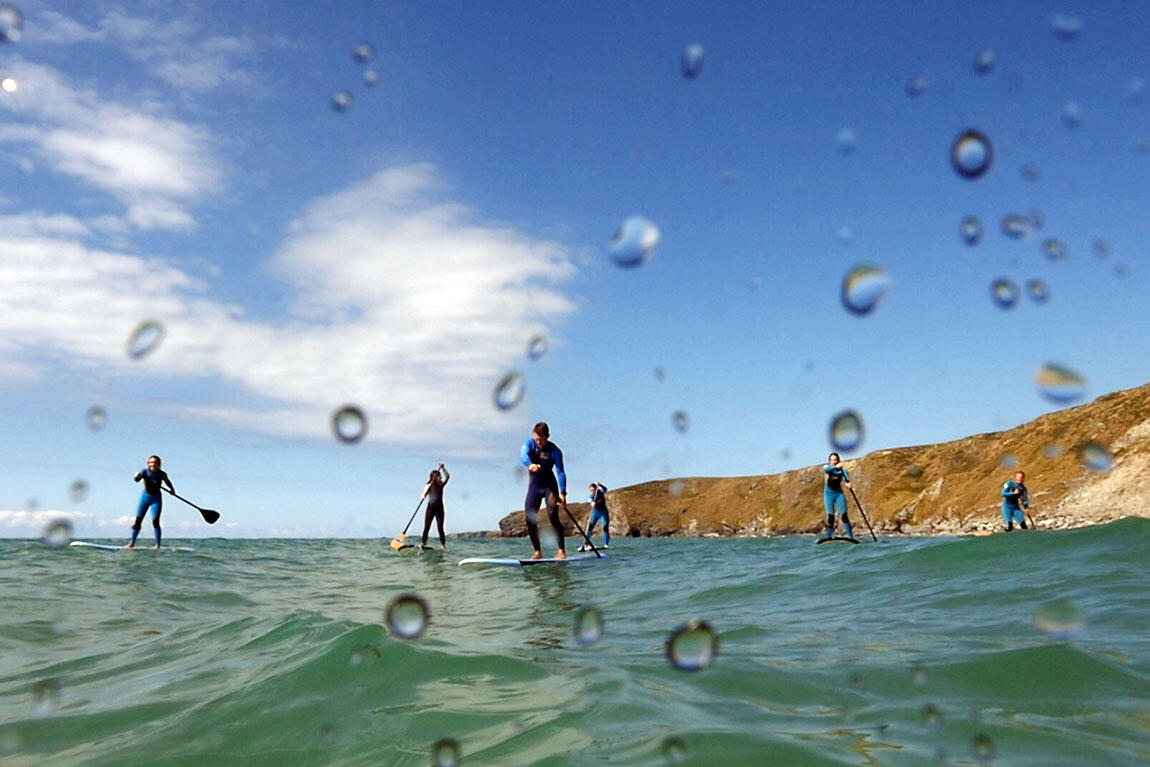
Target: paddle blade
[399,541]
[211,517]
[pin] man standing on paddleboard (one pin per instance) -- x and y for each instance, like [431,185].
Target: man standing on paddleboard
[434,495]
[836,476]
[544,460]
[153,477]
[1015,498]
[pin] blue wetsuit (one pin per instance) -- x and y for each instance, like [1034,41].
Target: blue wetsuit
[151,499]
[599,511]
[833,498]
[542,485]
[1015,498]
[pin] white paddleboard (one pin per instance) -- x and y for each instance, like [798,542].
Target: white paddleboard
[139,547]
[571,559]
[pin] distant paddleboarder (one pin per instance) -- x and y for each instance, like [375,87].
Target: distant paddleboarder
[836,478]
[1015,498]
[154,477]
[598,499]
[544,460]
[434,495]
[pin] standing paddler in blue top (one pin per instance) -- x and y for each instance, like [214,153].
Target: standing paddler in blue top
[836,476]
[598,499]
[1015,498]
[153,477]
[544,460]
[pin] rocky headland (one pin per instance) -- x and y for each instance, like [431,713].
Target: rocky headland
[1084,465]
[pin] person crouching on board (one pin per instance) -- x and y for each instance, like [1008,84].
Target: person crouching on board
[152,497]
[434,495]
[599,511]
[1015,498]
[836,477]
[544,460]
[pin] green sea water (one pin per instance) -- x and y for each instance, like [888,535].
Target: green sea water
[1021,649]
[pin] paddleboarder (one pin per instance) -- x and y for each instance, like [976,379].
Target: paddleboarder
[837,477]
[598,499]
[154,478]
[544,460]
[434,495]
[1015,498]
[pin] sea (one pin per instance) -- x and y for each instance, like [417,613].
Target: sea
[1029,648]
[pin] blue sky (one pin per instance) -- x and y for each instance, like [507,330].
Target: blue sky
[182,163]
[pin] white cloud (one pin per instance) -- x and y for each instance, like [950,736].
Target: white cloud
[404,303]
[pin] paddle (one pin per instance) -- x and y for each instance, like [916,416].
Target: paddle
[868,527]
[210,516]
[399,541]
[1032,525]
[580,529]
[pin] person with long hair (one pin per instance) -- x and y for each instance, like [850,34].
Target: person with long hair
[434,495]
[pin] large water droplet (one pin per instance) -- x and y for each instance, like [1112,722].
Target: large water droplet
[537,347]
[634,243]
[864,288]
[1060,620]
[588,626]
[1037,290]
[692,62]
[510,390]
[681,421]
[363,53]
[971,230]
[1066,27]
[972,154]
[11,23]
[446,753]
[674,750]
[1054,250]
[144,339]
[1004,293]
[1060,384]
[846,431]
[349,424]
[916,86]
[1017,227]
[45,697]
[692,646]
[407,616]
[1096,457]
[342,101]
[78,491]
[57,533]
[846,140]
[96,417]
[984,62]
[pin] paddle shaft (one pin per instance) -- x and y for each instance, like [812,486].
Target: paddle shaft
[868,527]
[580,529]
[210,516]
[421,500]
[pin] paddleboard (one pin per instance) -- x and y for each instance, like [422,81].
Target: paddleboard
[571,559]
[836,538]
[139,547]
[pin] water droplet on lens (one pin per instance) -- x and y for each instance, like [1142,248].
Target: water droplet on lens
[1096,457]
[660,373]
[754,283]
[78,491]
[342,101]
[982,748]
[972,154]
[9,85]
[1052,451]
[1030,172]
[1066,27]
[57,533]
[349,424]
[144,339]
[931,717]
[370,77]
[1060,620]
[675,488]
[1136,89]
[1017,227]
[1102,248]
[1004,293]
[1037,290]
[588,626]
[692,646]
[918,675]
[985,61]
[674,750]
[1054,250]
[863,288]
[446,753]
[1009,461]
[11,23]
[681,421]
[634,243]
[406,616]
[970,230]
[846,235]
[846,431]
[692,62]
[917,86]
[363,53]
[536,347]
[45,697]
[327,734]
[1072,114]
[846,140]
[510,390]
[96,417]
[1060,384]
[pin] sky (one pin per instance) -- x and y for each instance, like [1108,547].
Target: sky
[186,164]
